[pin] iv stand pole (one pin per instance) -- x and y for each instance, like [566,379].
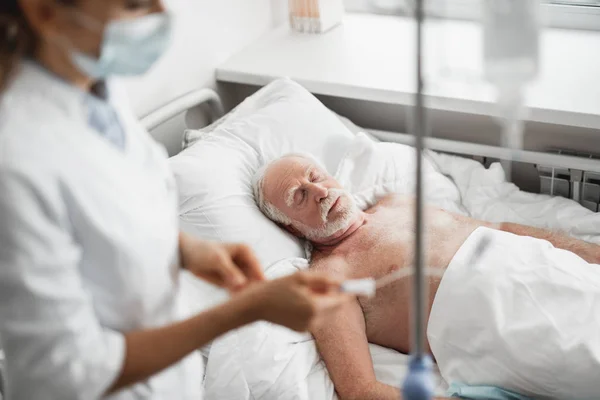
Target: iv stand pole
[418,384]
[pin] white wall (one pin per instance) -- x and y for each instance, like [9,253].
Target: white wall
[207,33]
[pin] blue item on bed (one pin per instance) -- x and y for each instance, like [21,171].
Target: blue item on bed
[482,393]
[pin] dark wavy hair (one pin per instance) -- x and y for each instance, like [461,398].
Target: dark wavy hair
[17,39]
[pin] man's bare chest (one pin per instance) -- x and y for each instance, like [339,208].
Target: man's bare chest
[384,244]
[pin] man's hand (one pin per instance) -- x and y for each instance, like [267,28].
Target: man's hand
[230,266]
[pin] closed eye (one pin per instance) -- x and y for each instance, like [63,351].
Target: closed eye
[300,196]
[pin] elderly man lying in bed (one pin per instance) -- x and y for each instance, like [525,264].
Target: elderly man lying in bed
[299,195]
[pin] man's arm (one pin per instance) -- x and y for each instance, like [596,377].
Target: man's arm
[343,344]
[588,251]
[344,347]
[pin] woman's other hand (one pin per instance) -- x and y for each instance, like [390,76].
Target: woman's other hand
[230,266]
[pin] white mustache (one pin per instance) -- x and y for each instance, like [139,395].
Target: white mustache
[345,215]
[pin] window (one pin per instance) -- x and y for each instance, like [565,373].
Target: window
[574,14]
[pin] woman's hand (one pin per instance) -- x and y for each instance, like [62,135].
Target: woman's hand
[300,301]
[230,266]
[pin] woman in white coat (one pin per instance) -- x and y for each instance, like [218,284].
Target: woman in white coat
[89,245]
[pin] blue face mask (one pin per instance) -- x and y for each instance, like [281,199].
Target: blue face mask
[129,47]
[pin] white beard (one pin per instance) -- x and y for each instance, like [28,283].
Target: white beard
[345,215]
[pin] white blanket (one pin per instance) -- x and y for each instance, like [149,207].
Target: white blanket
[524,317]
[264,361]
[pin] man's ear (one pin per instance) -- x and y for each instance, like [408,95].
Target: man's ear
[291,229]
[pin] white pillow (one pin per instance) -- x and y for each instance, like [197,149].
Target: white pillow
[370,170]
[280,118]
[214,174]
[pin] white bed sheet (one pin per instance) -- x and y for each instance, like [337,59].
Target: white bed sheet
[263,361]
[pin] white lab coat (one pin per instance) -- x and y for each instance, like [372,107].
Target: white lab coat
[88,247]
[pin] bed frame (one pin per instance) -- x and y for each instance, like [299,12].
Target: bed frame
[575,172]
[191,102]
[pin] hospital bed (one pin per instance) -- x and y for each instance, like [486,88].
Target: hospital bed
[213,173]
